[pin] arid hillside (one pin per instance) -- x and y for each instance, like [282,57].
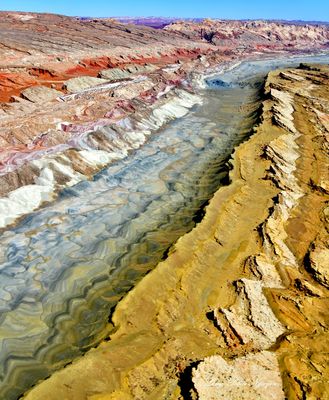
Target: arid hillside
[47,49]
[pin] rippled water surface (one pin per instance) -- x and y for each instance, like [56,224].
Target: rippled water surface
[65,267]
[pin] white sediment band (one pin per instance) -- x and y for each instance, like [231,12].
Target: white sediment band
[30,197]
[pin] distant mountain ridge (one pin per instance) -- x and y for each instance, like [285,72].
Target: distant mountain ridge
[161,22]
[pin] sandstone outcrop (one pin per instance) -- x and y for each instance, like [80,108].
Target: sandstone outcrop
[255,376]
[241,303]
[290,171]
[48,49]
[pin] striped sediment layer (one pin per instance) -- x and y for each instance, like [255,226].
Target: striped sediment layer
[239,309]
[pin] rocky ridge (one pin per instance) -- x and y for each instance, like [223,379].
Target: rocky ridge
[253,35]
[240,305]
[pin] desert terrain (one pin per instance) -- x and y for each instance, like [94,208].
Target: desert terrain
[156,243]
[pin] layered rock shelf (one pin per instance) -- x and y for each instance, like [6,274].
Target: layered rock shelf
[239,309]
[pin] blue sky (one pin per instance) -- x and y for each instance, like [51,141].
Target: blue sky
[274,9]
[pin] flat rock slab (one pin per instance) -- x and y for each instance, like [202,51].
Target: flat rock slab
[83,82]
[114,74]
[40,94]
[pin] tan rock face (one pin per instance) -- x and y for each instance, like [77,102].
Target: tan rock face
[319,262]
[256,376]
[239,309]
